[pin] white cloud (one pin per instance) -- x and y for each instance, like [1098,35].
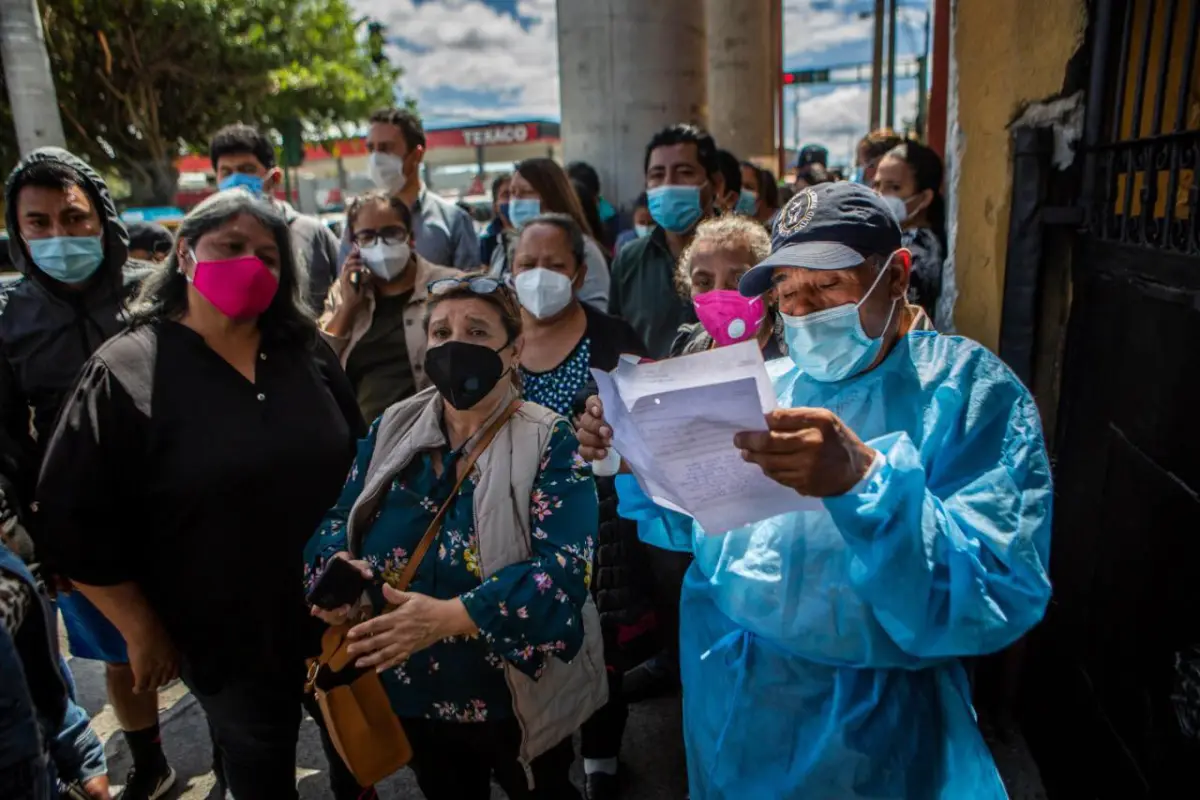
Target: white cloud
[470,47]
[813,27]
[838,119]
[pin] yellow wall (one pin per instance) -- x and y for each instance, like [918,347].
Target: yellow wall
[1008,53]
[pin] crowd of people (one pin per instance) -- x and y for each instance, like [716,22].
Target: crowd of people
[181,413]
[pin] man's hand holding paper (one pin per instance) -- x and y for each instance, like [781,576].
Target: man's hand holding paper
[675,422]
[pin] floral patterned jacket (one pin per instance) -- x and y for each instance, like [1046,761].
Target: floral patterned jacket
[527,612]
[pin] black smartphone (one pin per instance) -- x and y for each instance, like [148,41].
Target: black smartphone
[339,584]
[356,277]
[579,402]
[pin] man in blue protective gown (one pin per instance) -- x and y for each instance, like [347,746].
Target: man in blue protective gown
[821,650]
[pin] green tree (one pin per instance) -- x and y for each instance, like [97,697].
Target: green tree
[140,81]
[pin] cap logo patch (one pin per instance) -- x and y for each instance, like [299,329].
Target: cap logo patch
[798,214]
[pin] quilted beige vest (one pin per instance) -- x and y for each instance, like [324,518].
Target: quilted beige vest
[552,707]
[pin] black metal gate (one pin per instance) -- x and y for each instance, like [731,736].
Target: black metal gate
[1113,689]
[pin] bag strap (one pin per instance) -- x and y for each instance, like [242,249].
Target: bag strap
[410,569]
[334,649]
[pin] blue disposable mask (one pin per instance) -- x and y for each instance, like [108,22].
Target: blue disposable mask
[859,175]
[521,210]
[643,231]
[241,180]
[70,259]
[747,201]
[676,208]
[831,345]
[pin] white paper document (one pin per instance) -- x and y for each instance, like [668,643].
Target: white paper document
[674,421]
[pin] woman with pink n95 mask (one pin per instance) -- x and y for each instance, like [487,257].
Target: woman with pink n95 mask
[708,273]
[195,455]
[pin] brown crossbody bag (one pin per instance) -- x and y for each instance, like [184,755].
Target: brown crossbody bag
[358,715]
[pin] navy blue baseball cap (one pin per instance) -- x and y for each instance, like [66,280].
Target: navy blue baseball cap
[828,226]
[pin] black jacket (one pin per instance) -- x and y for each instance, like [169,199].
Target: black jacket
[47,332]
[621,579]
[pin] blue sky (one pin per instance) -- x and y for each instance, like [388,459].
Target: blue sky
[482,60]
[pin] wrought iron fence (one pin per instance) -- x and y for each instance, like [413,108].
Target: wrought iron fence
[1143,137]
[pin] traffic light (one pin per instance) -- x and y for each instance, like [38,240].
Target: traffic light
[806,76]
[375,43]
[293,143]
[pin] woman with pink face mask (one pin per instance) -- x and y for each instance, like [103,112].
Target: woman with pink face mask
[708,273]
[196,454]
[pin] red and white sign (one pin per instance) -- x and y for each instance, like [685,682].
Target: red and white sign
[481,136]
[500,134]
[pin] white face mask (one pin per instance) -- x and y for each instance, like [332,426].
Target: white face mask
[386,171]
[543,292]
[898,207]
[386,260]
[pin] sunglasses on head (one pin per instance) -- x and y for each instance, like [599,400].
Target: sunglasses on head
[480,284]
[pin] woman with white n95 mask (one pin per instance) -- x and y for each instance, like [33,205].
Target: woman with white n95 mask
[564,337]
[564,340]
[373,313]
[540,186]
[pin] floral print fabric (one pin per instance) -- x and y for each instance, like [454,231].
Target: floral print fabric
[928,261]
[557,388]
[527,612]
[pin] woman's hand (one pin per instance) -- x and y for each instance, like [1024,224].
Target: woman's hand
[353,285]
[418,622]
[342,614]
[595,437]
[594,434]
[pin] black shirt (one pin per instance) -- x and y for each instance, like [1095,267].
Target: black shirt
[643,293]
[169,469]
[378,366]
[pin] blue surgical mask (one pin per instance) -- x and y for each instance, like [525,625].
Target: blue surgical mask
[747,201]
[859,175]
[241,180]
[831,345]
[521,210]
[676,208]
[643,231]
[70,259]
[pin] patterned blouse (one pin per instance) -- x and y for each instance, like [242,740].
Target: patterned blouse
[557,388]
[928,260]
[527,612]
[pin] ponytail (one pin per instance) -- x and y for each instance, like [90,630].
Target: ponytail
[937,219]
[928,172]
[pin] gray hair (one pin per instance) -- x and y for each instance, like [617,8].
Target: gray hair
[164,293]
[565,223]
[731,232]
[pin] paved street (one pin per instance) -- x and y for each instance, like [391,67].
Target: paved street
[652,754]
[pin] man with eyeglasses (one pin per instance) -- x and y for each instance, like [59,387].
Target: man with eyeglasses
[373,314]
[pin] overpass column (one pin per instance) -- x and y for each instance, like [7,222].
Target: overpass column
[627,68]
[741,76]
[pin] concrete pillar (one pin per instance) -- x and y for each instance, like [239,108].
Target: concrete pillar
[741,79]
[627,68]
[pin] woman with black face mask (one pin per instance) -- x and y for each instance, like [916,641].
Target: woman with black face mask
[491,655]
